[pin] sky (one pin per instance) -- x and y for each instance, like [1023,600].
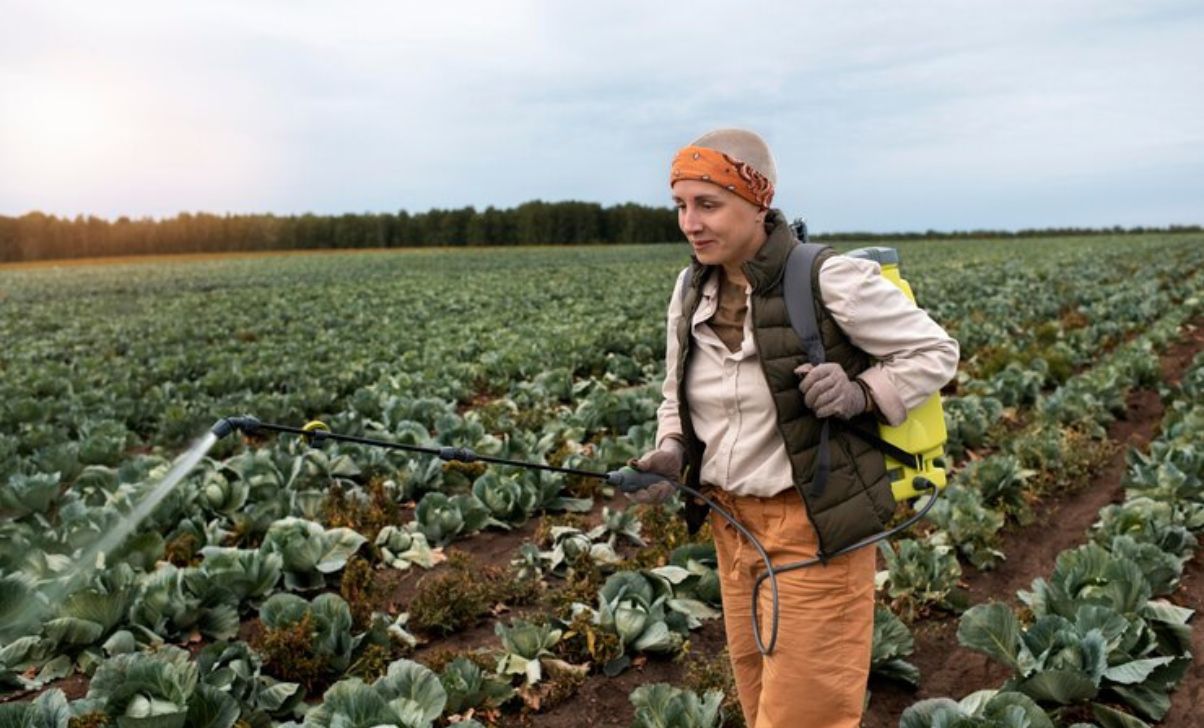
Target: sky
[882,116]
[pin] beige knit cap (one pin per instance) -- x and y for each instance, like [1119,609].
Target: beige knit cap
[744,145]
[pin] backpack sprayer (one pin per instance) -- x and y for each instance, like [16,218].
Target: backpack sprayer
[913,450]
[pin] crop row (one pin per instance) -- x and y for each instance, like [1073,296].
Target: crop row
[1099,633]
[1050,451]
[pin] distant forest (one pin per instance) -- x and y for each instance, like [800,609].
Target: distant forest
[36,236]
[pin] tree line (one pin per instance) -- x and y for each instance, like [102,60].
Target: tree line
[37,236]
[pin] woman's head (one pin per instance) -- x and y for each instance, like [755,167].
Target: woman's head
[722,187]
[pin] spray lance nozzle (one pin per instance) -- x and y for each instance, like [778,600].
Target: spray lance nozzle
[244,423]
[315,432]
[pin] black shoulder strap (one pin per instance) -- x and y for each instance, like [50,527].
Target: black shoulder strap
[800,307]
[800,298]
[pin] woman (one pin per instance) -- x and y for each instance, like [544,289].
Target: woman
[742,414]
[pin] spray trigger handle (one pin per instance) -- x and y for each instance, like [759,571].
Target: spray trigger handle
[630,480]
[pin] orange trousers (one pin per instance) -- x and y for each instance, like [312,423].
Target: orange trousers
[816,675]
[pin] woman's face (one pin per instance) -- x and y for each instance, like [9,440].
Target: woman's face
[722,227]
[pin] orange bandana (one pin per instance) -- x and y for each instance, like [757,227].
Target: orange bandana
[718,168]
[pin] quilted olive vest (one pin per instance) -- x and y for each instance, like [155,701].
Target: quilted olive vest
[857,501]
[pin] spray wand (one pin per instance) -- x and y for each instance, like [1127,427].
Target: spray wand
[627,479]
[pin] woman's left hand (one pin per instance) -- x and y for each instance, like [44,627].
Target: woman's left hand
[666,461]
[829,392]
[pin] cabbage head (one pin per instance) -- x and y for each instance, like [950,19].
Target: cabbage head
[309,552]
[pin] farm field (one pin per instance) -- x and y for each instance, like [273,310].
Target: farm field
[284,585]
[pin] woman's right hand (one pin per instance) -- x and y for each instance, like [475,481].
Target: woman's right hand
[666,461]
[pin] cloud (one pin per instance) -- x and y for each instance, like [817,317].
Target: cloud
[882,114]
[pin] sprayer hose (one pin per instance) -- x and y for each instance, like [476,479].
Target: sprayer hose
[771,572]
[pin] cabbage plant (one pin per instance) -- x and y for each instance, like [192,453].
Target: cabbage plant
[408,696]
[1018,384]
[569,545]
[1161,570]
[661,704]
[27,494]
[234,668]
[442,519]
[470,687]
[509,501]
[1088,575]
[525,644]
[330,623]
[1000,480]
[635,606]
[968,420]
[402,547]
[970,525]
[158,690]
[309,552]
[87,615]
[318,469]
[550,494]
[528,562]
[891,643]
[250,574]
[678,584]
[1145,520]
[700,560]
[48,710]
[616,524]
[179,603]
[1173,473]
[1097,654]
[220,495]
[983,709]
[103,443]
[919,573]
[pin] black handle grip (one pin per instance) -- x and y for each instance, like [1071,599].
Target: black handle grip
[630,480]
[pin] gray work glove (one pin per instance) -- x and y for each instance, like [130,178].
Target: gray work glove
[667,461]
[829,392]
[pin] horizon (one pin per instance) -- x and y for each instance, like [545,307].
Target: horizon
[1103,228]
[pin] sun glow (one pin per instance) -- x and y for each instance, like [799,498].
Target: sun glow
[68,132]
[111,141]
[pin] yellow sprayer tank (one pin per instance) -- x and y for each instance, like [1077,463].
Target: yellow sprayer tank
[923,432]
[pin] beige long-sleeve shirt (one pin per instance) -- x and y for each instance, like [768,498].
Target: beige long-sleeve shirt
[731,406]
